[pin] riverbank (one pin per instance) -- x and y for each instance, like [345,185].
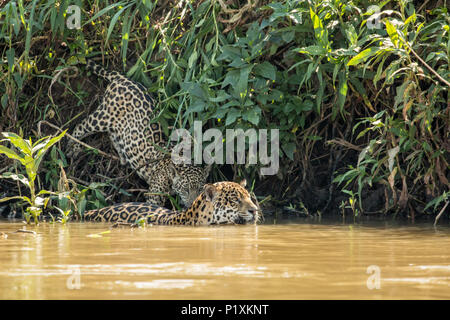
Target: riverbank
[358,93]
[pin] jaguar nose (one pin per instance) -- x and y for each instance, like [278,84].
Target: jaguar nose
[253,210]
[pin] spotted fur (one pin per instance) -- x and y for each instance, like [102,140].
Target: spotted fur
[125,113]
[219,203]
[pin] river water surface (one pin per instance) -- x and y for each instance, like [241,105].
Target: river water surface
[270,261]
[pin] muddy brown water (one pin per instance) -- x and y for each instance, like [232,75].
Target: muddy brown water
[297,260]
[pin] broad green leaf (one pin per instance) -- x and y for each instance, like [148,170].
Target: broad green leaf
[380,71]
[343,87]
[42,150]
[252,115]
[192,59]
[229,53]
[197,106]
[313,50]
[10,153]
[4,100]
[16,177]
[221,96]
[195,90]
[392,32]
[336,69]
[360,88]
[35,211]
[47,192]
[73,60]
[266,70]
[31,170]
[312,67]
[320,32]
[351,34]
[51,141]
[20,143]
[362,56]
[289,149]
[362,155]
[411,18]
[10,54]
[232,115]
[18,79]
[39,146]
[288,36]
[242,84]
[436,201]
[24,198]
[238,63]
[232,78]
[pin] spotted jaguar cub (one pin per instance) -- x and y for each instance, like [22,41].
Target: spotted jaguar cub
[219,203]
[125,113]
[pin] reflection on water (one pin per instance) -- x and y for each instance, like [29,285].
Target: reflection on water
[271,261]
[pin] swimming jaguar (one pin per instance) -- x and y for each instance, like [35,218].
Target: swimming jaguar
[219,203]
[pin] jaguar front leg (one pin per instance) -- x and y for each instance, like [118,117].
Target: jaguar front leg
[158,190]
[115,140]
[92,124]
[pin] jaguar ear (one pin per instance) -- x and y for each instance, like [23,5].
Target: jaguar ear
[243,183]
[210,191]
[173,171]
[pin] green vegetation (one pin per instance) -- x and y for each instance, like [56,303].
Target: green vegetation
[359,93]
[30,156]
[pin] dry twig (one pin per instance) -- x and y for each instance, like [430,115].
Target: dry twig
[440,213]
[75,139]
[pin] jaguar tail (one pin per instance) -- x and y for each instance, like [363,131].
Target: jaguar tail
[100,71]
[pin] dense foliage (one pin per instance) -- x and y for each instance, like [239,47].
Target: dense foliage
[358,90]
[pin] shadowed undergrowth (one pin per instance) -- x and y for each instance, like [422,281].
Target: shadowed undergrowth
[359,94]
